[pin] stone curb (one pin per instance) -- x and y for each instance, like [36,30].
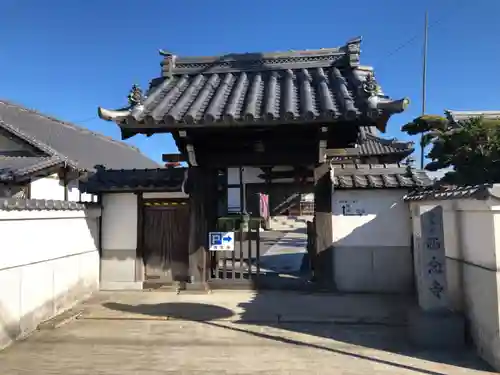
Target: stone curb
[236,319]
[60,320]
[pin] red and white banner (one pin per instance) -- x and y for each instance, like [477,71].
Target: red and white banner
[264,206]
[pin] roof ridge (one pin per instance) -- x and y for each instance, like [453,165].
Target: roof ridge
[69,125]
[5,157]
[392,142]
[289,53]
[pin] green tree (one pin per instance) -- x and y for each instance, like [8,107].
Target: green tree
[471,147]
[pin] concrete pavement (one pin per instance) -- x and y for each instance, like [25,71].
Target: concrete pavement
[233,333]
[286,255]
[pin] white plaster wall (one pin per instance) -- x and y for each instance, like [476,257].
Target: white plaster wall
[51,187]
[47,188]
[119,221]
[49,261]
[372,251]
[119,265]
[478,227]
[472,249]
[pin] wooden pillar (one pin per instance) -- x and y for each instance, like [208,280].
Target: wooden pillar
[203,212]
[323,262]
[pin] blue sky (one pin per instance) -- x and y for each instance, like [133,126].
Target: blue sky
[65,58]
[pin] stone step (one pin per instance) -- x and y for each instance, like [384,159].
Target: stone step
[289,222]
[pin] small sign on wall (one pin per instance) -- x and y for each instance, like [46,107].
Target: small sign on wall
[221,241]
[350,207]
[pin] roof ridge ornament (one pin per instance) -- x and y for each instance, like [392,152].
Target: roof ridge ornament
[135,96]
[353,51]
[370,85]
[168,61]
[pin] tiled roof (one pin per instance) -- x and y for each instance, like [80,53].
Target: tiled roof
[78,146]
[456,116]
[371,144]
[164,179]
[320,86]
[16,167]
[12,204]
[373,176]
[483,191]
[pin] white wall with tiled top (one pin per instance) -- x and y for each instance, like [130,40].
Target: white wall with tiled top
[52,187]
[119,265]
[471,245]
[121,268]
[49,260]
[371,241]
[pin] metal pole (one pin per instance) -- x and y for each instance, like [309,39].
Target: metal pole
[424,82]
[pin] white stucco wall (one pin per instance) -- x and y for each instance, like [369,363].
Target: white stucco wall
[372,249]
[119,265]
[121,269]
[472,250]
[50,187]
[49,260]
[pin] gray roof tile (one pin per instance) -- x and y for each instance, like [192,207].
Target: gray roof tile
[164,179]
[456,116]
[285,87]
[78,145]
[15,167]
[444,192]
[375,176]
[372,145]
[13,204]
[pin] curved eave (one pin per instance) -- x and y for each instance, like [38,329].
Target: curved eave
[113,115]
[132,121]
[388,108]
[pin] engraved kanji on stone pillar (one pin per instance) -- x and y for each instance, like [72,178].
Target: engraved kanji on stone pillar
[433,291]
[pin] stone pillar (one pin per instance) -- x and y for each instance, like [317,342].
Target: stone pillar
[433,324]
[432,295]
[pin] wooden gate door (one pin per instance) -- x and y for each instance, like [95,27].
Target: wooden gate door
[165,240]
[241,265]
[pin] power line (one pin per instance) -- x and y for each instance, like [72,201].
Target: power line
[415,37]
[85,120]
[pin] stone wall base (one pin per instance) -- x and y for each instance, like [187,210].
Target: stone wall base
[436,330]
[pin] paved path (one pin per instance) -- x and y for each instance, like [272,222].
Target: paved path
[286,255]
[136,333]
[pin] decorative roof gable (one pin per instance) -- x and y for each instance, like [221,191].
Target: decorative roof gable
[60,141]
[320,86]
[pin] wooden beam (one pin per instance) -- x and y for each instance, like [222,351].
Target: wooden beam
[323,258]
[203,215]
[322,144]
[191,156]
[173,158]
[235,159]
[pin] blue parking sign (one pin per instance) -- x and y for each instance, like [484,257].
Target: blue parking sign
[221,241]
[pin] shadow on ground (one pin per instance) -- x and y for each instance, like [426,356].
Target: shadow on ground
[388,335]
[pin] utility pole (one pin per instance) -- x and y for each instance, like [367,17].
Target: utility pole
[424,82]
